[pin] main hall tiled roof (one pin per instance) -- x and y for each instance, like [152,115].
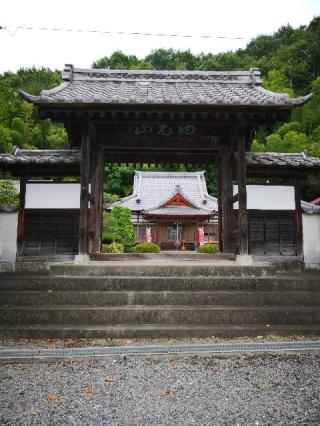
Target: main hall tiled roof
[215,88]
[153,189]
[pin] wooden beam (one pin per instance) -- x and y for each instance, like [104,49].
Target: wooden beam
[22,202]
[84,191]
[298,217]
[242,194]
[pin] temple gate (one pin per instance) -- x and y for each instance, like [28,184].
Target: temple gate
[162,117]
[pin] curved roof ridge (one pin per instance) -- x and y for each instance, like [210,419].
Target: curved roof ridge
[169,174]
[71,73]
[44,93]
[285,96]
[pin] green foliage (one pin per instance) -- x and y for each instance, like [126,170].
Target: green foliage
[130,247]
[112,248]
[125,228]
[117,226]
[19,122]
[147,248]
[208,248]
[109,198]
[109,228]
[8,194]
[277,81]
[117,61]
[5,140]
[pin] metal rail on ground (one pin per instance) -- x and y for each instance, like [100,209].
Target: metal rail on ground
[36,355]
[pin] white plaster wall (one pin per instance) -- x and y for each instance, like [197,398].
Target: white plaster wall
[8,236]
[268,197]
[52,196]
[311,238]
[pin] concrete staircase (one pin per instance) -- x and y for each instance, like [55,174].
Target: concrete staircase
[159,300]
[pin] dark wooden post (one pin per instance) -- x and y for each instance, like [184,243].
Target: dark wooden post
[298,214]
[84,191]
[220,210]
[242,194]
[22,203]
[227,217]
[96,199]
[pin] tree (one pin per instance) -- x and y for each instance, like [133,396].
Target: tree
[117,226]
[8,194]
[277,82]
[125,230]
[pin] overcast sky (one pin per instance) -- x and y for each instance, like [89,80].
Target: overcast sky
[229,18]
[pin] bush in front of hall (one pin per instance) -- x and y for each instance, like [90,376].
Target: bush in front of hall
[208,248]
[129,247]
[112,248]
[147,248]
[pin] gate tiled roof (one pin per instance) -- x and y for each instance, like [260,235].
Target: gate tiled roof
[216,88]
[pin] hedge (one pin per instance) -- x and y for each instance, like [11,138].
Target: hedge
[208,248]
[147,248]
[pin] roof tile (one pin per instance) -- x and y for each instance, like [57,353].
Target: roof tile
[162,87]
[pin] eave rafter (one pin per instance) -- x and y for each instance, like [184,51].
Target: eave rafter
[116,114]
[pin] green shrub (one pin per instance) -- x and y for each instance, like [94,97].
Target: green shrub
[109,228]
[118,227]
[130,248]
[147,248]
[125,229]
[208,248]
[8,194]
[112,248]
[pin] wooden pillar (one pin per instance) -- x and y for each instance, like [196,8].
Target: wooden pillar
[96,199]
[84,191]
[220,210]
[226,198]
[242,194]
[22,203]
[298,217]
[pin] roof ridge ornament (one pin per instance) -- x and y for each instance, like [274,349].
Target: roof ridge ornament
[67,73]
[255,76]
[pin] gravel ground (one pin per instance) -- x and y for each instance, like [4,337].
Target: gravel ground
[256,389]
[82,343]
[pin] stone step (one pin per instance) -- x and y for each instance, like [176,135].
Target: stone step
[117,298]
[166,314]
[66,331]
[20,282]
[158,269]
